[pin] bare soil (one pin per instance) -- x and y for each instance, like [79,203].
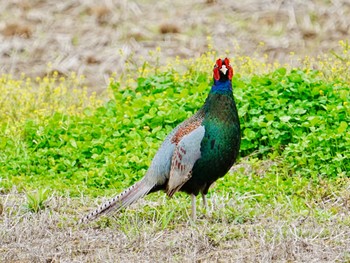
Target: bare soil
[96,39]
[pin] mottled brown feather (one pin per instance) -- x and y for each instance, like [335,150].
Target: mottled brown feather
[188,126]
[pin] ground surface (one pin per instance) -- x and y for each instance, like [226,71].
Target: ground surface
[237,227]
[96,39]
[276,235]
[37,37]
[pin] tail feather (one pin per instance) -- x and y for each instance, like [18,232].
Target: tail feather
[127,197]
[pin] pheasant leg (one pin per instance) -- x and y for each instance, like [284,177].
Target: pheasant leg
[205,204]
[194,214]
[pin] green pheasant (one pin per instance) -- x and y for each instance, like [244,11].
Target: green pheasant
[195,154]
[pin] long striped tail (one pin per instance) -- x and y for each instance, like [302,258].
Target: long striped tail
[127,197]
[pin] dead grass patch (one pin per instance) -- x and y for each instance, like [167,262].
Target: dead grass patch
[53,236]
[16,29]
[66,33]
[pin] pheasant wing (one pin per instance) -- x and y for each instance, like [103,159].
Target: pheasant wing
[186,153]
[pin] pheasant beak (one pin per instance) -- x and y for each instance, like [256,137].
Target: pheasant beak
[223,69]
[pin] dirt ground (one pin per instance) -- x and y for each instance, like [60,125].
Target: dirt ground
[96,39]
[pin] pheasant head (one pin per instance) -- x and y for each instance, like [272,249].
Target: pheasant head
[223,70]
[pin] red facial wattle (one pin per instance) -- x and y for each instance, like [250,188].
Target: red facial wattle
[216,73]
[227,62]
[230,72]
[219,63]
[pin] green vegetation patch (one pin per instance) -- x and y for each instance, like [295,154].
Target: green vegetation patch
[54,135]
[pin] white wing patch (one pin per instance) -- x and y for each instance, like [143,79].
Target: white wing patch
[186,153]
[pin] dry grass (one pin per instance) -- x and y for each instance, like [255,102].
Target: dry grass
[87,38]
[275,235]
